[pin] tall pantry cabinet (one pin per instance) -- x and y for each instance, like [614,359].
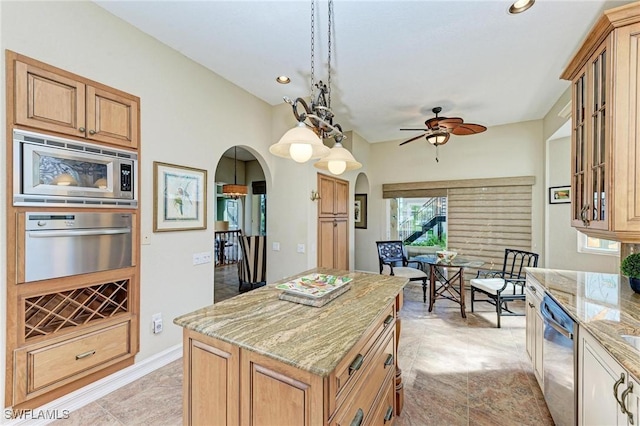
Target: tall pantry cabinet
[66,332]
[333,222]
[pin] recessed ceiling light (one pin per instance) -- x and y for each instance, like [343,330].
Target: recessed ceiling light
[520,6]
[283,79]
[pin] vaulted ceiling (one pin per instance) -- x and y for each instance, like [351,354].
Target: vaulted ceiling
[393,61]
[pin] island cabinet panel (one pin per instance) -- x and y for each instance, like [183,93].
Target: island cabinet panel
[211,392]
[276,393]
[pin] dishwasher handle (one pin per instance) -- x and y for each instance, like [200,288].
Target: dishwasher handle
[78,233]
[548,319]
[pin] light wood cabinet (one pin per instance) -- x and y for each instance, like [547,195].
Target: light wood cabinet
[535,329]
[606,137]
[334,196]
[54,100]
[333,237]
[607,394]
[333,223]
[228,385]
[64,333]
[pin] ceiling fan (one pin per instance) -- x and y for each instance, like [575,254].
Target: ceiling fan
[439,129]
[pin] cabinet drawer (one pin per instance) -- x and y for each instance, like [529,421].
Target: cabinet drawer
[360,402]
[384,413]
[50,364]
[359,358]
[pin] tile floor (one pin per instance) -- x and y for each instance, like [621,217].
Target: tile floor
[455,372]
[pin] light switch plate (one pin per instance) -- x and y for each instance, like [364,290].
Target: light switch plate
[300,248]
[276,246]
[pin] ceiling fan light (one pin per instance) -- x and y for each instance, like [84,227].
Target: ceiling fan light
[304,139]
[338,155]
[438,138]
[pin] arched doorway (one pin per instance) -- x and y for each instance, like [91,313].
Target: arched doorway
[236,215]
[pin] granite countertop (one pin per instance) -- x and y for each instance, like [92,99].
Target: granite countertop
[310,338]
[603,304]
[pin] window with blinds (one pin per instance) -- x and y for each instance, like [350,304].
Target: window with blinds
[484,216]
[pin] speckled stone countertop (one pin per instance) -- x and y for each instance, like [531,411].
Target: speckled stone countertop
[306,337]
[603,304]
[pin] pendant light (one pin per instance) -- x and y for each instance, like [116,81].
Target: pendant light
[315,122]
[234,191]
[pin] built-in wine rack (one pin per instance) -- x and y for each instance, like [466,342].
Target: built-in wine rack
[49,313]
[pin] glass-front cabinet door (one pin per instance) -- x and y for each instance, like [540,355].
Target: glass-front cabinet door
[590,143]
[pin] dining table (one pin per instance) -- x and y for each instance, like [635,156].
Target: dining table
[446,278]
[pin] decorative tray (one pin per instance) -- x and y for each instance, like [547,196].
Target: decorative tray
[314,285]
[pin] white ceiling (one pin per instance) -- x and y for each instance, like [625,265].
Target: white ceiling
[393,61]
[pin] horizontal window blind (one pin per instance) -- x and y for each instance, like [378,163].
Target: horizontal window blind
[482,222]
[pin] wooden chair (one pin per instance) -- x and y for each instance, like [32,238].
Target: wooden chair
[393,261]
[252,266]
[504,286]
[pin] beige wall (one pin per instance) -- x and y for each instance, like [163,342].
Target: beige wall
[501,151]
[562,252]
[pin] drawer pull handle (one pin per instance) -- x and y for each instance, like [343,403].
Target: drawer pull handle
[388,361]
[357,420]
[388,320]
[356,363]
[533,289]
[615,392]
[389,414]
[531,305]
[623,397]
[85,355]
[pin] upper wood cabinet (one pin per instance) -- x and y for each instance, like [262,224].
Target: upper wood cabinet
[334,196]
[605,143]
[54,100]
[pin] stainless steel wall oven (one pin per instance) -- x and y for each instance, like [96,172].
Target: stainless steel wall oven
[63,244]
[53,171]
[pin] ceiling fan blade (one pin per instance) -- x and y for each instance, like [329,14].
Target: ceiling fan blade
[432,123]
[412,139]
[416,130]
[467,129]
[450,122]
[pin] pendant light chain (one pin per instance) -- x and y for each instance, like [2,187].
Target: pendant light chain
[235,164]
[313,60]
[329,60]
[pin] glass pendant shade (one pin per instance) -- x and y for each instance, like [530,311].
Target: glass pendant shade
[299,144]
[439,138]
[338,161]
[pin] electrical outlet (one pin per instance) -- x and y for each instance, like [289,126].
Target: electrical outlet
[156,323]
[201,258]
[300,248]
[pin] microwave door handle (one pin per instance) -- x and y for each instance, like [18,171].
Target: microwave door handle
[553,323]
[79,233]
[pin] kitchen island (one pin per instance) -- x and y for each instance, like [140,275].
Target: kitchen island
[255,359]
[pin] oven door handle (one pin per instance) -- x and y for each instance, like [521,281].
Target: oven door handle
[553,323]
[79,233]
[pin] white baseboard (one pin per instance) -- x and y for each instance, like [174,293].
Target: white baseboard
[95,390]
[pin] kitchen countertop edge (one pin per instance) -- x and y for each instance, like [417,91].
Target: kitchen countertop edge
[563,285]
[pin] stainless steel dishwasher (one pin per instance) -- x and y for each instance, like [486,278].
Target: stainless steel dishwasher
[559,362]
[63,244]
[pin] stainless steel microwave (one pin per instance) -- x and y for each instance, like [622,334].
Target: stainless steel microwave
[53,171]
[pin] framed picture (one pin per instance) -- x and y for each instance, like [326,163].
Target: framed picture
[559,194]
[180,198]
[360,211]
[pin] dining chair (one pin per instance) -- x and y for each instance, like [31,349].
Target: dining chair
[506,285]
[393,261]
[252,266]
